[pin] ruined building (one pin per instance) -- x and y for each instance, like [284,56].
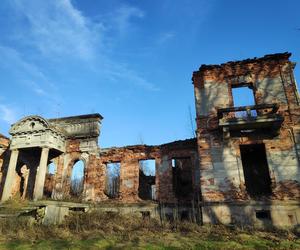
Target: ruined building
[243,167]
[249,156]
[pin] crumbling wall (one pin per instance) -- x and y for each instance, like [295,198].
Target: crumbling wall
[92,171]
[49,185]
[80,135]
[4,158]
[271,78]
[129,158]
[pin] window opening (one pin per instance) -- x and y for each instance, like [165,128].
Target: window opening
[147,188]
[263,215]
[49,180]
[112,182]
[243,96]
[77,178]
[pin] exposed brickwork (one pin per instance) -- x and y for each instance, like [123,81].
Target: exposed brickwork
[222,177]
[4,141]
[210,169]
[287,190]
[259,68]
[49,185]
[73,146]
[4,158]
[129,158]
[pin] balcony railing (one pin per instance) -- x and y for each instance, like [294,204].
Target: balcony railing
[262,115]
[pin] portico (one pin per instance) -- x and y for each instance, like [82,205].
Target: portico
[33,134]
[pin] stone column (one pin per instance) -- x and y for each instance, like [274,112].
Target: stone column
[41,175]
[11,173]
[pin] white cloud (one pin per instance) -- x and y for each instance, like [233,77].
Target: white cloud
[123,16]
[8,114]
[165,37]
[57,28]
[123,72]
[26,72]
[13,60]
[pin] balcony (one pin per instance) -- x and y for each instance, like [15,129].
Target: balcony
[250,117]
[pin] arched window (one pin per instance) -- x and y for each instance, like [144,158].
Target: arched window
[51,168]
[77,178]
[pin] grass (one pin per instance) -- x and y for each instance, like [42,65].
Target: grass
[97,230]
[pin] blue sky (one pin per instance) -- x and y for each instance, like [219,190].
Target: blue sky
[131,61]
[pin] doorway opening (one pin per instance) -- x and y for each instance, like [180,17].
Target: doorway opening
[49,180]
[182,177]
[256,170]
[23,173]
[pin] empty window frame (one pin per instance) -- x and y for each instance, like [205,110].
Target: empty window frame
[112,181]
[49,180]
[147,188]
[243,96]
[77,179]
[51,168]
[263,214]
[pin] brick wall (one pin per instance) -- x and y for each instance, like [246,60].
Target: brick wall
[221,169]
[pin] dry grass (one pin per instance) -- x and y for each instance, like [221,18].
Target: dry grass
[98,230]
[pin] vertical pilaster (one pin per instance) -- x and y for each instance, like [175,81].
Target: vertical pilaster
[41,175]
[10,175]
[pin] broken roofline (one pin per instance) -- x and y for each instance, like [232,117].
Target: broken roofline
[266,58]
[179,143]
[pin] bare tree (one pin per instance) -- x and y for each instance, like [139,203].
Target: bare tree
[112,185]
[191,122]
[77,186]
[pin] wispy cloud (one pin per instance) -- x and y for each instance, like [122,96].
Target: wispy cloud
[123,16]
[26,72]
[123,72]
[57,28]
[165,37]
[12,59]
[8,114]
[59,31]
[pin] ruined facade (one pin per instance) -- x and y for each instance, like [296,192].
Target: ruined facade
[36,142]
[249,156]
[243,165]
